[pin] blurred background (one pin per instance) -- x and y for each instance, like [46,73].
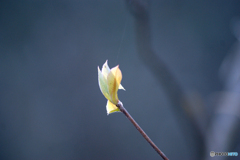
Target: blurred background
[51,106]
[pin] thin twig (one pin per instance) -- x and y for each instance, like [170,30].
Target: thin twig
[125,112]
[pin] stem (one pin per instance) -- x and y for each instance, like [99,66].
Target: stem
[125,112]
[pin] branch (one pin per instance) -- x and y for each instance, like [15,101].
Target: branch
[125,112]
[139,9]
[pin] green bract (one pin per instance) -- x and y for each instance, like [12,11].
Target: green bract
[109,82]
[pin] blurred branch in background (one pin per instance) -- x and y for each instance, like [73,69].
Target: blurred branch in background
[223,131]
[213,131]
[188,122]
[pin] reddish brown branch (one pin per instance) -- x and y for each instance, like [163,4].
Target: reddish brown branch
[125,112]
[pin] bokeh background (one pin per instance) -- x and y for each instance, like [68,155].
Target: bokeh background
[51,106]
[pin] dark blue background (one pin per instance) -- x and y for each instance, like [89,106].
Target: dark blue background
[51,106]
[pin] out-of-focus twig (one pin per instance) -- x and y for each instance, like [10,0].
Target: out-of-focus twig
[223,132]
[139,9]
